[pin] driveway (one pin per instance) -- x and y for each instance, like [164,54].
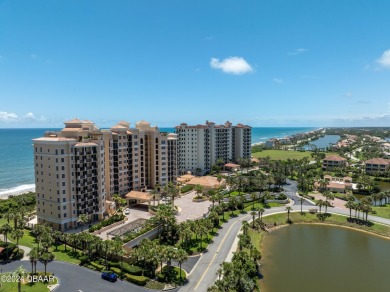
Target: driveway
[189,209]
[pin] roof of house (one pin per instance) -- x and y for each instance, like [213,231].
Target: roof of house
[335,158]
[142,196]
[377,161]
[232,165]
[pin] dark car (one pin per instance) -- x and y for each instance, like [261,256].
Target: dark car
[109,276]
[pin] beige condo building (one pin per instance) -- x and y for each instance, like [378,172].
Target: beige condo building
[200,146]
[78,168]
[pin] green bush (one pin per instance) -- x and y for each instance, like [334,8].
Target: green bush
[282,196]
[133,270]
[116,270]
[96,266]
[138,280]
[186,188]
[83,260]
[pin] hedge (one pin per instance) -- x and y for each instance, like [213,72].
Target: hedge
[133,270]
[97,266]
[186,188]
[138,280]
[116,270]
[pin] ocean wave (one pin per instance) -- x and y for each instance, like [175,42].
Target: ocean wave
[17,190]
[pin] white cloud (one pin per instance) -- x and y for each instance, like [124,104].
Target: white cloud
[8,117]
[384,60]
[232,65]
[12,117]
[297,52]
[31,116]
[278,80]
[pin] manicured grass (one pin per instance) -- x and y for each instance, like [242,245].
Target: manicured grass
[155,285]
[28,287]
[65,256]
[27,239]
[382,211]
[296,217]
[282,154]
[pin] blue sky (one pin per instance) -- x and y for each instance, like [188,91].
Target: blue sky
[264,63]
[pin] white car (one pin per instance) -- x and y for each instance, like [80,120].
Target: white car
[126,211]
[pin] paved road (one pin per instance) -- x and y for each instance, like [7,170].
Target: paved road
[75,278]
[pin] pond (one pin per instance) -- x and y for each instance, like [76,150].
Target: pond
[320,258]
[322,142]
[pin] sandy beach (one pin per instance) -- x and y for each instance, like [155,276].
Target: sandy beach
[19,190]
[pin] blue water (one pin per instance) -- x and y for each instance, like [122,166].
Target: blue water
[323,142]
[16,153]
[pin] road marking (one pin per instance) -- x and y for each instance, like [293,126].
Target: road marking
[223,240]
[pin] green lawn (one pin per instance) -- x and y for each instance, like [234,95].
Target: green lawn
[28,287]
[282,154]
[382,211]
[65,256]
[285,154]
[26,240]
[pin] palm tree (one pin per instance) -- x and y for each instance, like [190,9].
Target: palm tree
[350,205]
[17,234]
[301,200]
[253,198]
[253,213]
[5,230]
[83,219]
[320,203]
[181,256]
[202,230]
[245,226]
[45,258]
[33,257]
[261,212]
[232,204]
[19,274]
[288,209]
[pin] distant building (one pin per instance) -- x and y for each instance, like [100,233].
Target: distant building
[271,143]
[201,146]
[376,165]
[336,184]
[333,161]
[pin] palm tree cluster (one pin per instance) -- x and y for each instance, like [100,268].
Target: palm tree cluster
[192,232]
[44,237]
[363,206]
[151,255]
[242,273]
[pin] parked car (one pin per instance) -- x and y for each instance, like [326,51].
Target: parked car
[109,276]
[126,211]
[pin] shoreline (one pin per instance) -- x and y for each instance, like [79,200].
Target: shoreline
[17,191]
[334,225]
[281,137]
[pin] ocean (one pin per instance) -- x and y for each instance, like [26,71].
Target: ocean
[16,154]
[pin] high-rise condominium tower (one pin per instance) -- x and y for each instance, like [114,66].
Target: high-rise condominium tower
[200,146]
[77,168]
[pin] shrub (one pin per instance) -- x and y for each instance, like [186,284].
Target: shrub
[116,270]
[83,260]
[282,196]
[96,266]
[133,270]
[138,280]
[186,188]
